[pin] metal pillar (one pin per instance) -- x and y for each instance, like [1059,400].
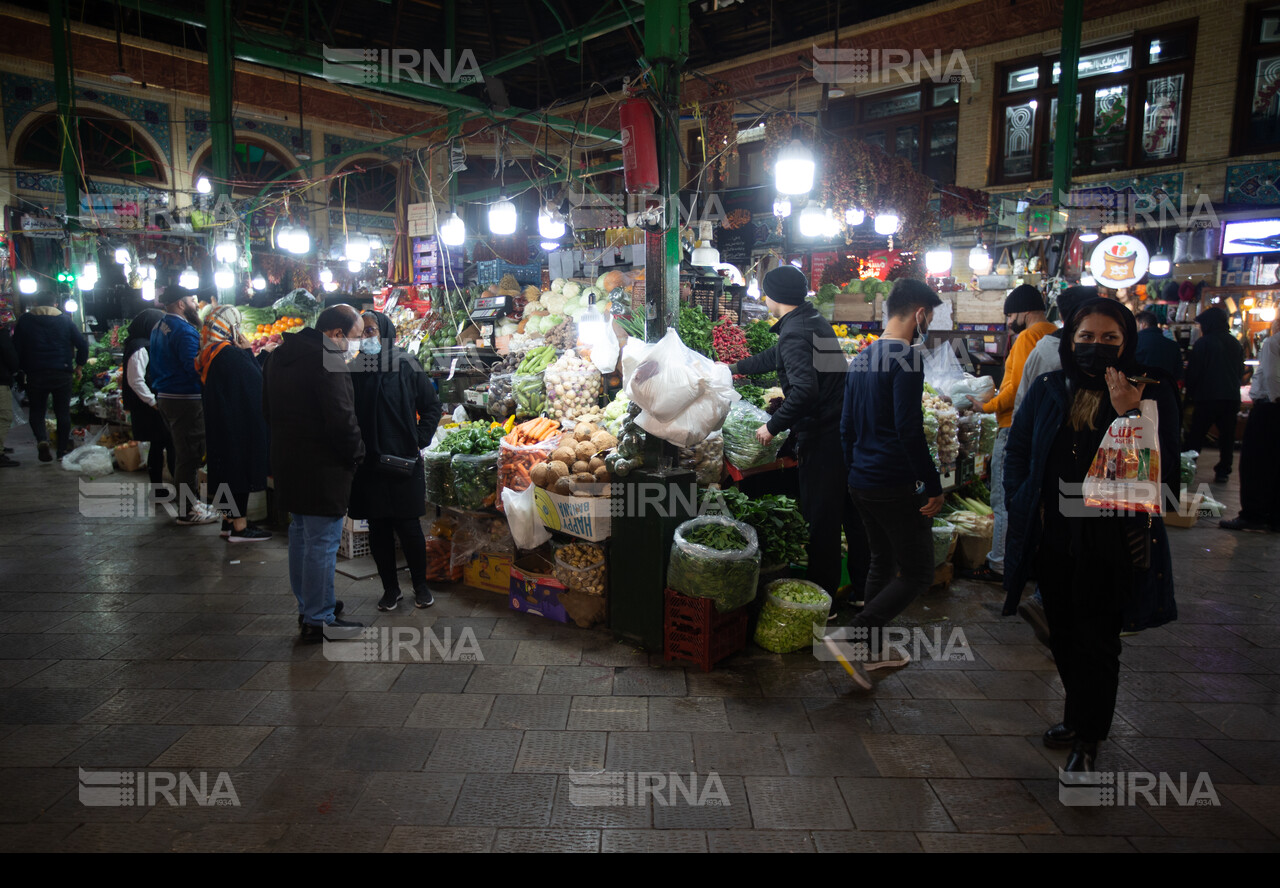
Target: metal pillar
[666,46]
[62,80]
[221,126]
[1064,142]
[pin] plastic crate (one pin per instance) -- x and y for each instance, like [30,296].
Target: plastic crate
[353,544]
[694,631]
[491,271]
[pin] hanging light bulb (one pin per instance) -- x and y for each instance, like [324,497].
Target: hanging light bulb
[813,222]
[591,329]
[550,226]
[203,185]
[794,167]
[705,255]
[1088,237]
[1267,315]
[357,248]
[887,222]
[979,259]
[502,217]
[938,260]
[224,279]
[325,274]
[189,279]
[259,283]
[376,243]
[753,289]
[353,266]
[148,290]
[330,286]
[854,216]
[1159,265]
[89,275]
[782,206]
[225,250]
[27,285]
[122,255]
[831,223]
[70,306]
[550,246]
[300,242]
[454,231]
[284,237]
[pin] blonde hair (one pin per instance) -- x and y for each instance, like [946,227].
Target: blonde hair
[1084,409]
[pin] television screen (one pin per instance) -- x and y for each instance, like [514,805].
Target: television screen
[1251,236]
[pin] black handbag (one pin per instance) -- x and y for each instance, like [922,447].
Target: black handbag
[1137,537]
[390,464]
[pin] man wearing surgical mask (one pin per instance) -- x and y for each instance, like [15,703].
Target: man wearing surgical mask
[316,447]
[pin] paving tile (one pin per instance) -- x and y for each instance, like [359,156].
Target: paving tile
[408,799]
[462,752]
[767,715]
[212,746]
[863,842]
[631,841]
[687,714]
[13,672]
[34,746]
[943,843]
[214,708]
[36,837]
[506,800]
[941,685]
[529,712]
[996,685]
[372,708]
[842,716]
[36,706]
[120,838]
[231,838]
[609,714]
[294,708]
[726,753]
[1166,719]
[999,717]
[797,803]
[815,755]
[1048,844]
[310,796]
[303,676]
[561,752]
[332,838]
[524,841]
[138,706]
[216,675]
[1004,757]
[299,747]
[1262,803]
[1175,756]
[912,756]
[894,804]
[433,678]
[447,839]
[601,801]
[450,711]
[913,716]
[992,806]
[701,800]
[361,677]
[389,749]
[646,681]
[1224,820]
[749,841]
[547,653]
[577,680]
[611,653]
[1182,845]
[1240,721]
[505,679]
[790,683]
[1129,821]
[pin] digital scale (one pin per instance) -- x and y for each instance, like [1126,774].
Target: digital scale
[486,311]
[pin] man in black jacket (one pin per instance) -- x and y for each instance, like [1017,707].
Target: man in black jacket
[811,372]
[1214,372]
[8,370]
[1155,350]
[309,405]
[51,351]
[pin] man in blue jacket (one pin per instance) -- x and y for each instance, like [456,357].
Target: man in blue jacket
[51,351]
[175,344]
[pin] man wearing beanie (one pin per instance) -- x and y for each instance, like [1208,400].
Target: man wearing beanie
[811,371]
[1025,315]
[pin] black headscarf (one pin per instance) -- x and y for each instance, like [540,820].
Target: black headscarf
[142,325]
[379,404]
[1128,353]
[386,360]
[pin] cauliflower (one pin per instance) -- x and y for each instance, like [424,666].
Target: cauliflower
[557,285]
[571,289]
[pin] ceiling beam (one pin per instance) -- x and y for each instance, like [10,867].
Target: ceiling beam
[553,179]
[597,27]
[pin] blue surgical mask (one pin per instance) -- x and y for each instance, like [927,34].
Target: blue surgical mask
[371,346]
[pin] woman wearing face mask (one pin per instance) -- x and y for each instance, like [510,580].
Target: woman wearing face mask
[1091,567]
[398,410]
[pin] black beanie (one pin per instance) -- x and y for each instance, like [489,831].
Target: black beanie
[1023,298]
[1071,297]
[786,284]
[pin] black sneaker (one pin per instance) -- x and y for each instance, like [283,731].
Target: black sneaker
[422,597]
[389,600]
[6,463]
[45,455]
[1221,479]
[250,534]
[227,527]
[337,611]
[342,630]
[1243,524]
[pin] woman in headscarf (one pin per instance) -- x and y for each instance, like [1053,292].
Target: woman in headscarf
[1092,566]
[140,401]
[236,442]
[398,411]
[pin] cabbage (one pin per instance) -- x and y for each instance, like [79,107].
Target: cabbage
[557,285]
[530,308]
[546,297]
[571,289]
[556,304]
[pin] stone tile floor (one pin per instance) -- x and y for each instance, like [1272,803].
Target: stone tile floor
[131,643]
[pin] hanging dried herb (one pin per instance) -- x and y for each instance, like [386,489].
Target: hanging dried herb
[722,132]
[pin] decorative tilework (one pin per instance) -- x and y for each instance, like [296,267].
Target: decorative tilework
[338,145]
[1254,183]
[197,124]
[369,222]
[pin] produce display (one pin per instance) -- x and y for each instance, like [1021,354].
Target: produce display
[987,441]
[530,395]
[941,429]
[630,448]
[475,480]
[502,398]
[869,288]
[781,530]
[527,445]
[576,463]
[793,611]
[969,514]
[856,345]
[472,438]
[581,567]
[706,459]
[573,386]
[298,304]
[694,328]
[943,533]
[729,342]
[615,413]
[715,557]
[439,477]
[760,337]
[563,335]
[740,445]
[537,360]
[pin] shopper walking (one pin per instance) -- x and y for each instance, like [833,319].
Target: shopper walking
[9,370]
[1214,372]
[235,430]
[175,345]
[1024,312]
[1259,471]
[1088,566]
[140,400]
[811,372]
[1155,350]
[51,350]
[398,411]
[309,405]
[892,479]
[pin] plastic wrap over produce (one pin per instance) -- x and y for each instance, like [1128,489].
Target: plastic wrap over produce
[792,610]
[706,459]
[741,447]
[683,396]
[717,558]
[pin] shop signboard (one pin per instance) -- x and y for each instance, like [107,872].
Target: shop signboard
[585,517]
[1119,261]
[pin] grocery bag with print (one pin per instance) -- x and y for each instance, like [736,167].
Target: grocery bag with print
[1125,473]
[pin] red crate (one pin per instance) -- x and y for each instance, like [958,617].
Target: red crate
[694,631]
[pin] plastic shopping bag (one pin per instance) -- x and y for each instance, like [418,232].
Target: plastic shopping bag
[668,378]
[526,527]
[1125,474]
[91,459]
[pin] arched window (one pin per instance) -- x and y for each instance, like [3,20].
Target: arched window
[253,164]
[370,186]
[108,147]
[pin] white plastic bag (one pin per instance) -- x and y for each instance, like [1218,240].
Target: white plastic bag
[605,353]
[668,378]
[91,459]
[522,517]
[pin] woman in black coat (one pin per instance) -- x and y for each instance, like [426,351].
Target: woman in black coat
[236,443]
[398,411]
[140,401]
[1092,566]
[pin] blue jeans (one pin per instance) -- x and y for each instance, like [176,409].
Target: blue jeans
[995,558]
[313,559]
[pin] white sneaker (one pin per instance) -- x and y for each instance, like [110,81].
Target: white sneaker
[200,514]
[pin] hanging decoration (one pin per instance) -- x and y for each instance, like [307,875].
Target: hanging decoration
[721,131]
[777,135]
[737,219]
[972,203]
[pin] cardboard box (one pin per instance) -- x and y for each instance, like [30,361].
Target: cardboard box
[971,552]
[490,571]
[1188,511]
[585,517]
[533,589]
[355,525]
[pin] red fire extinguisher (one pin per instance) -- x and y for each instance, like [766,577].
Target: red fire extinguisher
[639,147]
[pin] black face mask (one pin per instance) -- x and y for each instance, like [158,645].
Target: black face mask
[1094,358]
[1018,326]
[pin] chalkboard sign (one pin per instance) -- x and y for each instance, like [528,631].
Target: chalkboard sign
[735,246]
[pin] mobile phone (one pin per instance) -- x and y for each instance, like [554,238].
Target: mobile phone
[1141,380]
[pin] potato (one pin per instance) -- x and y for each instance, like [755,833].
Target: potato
[584,478]
[580,432]
[586,450]
[564,487]
[596,462]
[566,455]
[603,441]
[557,471]
[539,474]
[581,467]
[588,429]
[602,474]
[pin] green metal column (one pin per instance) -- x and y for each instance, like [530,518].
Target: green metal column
[221,79]
[62,86]
[1064,144]
[455,117]
[666,46]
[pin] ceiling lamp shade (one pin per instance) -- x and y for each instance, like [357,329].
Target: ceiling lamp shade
[550,246]
[782,206]
[887,222]
[224,279]
[189,279]
[813,222]
[70,306]
[793,169]
[854,216]
[550,227]
[203,185]
[301,241]
[89,275]
[259,283]
[1159,265]
[831,223]
[938,260]
[325,274]
[27,285]
[122,255]
[453,231]
[1088,237]
[330,286]
[979,260]
[148,290]
[502,217]
[353,266]
[225,250]
[358,248]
